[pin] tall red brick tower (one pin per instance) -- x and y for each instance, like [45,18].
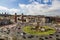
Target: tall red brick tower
[16,17]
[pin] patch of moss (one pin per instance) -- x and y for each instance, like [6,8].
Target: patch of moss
[27,29]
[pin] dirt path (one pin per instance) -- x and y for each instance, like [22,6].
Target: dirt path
[9,26]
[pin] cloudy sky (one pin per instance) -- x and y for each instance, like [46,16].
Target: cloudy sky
[31,7]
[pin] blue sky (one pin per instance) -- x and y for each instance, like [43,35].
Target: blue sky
[14,3]
[30,7]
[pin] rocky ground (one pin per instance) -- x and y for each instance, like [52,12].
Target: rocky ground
[14,32]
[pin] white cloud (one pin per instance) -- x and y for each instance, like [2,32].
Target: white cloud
[31,0]
[11,11]
[46,1]
[36,8]
[3,8]
[56,4]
